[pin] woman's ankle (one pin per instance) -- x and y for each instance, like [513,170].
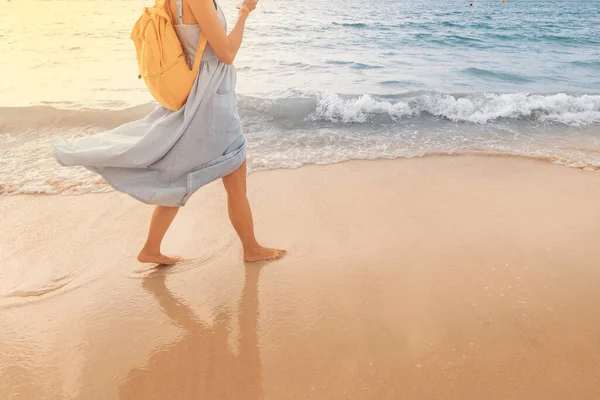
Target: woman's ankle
[150,249]
[252,248]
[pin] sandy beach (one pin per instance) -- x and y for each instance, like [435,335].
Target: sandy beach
[443,277]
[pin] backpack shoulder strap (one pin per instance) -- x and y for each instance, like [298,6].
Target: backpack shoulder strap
[201,40]
[180,11]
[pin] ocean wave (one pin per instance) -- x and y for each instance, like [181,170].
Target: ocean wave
[353,65]
[458,40]
[591,64]
[559,108]
[400,83]
[350,25]
[567,40]
[450,24]
[329,128]
[495,75]
[300,109]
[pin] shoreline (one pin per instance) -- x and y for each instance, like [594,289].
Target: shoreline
[434,277]
[481,154]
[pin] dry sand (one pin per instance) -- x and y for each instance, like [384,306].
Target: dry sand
[435,278]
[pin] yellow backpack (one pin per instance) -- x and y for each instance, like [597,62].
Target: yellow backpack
[160,57]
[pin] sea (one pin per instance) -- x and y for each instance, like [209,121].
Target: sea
[319,82]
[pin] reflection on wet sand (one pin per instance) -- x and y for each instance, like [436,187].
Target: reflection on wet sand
[200,364]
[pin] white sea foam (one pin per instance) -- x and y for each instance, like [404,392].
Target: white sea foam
[31,167]
[559,108]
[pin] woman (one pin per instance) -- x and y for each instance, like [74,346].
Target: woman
[165,157]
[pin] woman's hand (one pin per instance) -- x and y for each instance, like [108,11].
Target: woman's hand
[225,46]
[250,4]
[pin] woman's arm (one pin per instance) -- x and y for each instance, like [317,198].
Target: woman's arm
[225,47]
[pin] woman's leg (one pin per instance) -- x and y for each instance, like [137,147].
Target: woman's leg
[161,220]
[240,215]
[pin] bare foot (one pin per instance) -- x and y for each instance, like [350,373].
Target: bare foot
[263,254]
[159,258]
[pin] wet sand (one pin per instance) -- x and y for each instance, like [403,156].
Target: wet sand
[434,278]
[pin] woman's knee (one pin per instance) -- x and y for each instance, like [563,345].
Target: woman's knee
[235,183]
[234,187]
